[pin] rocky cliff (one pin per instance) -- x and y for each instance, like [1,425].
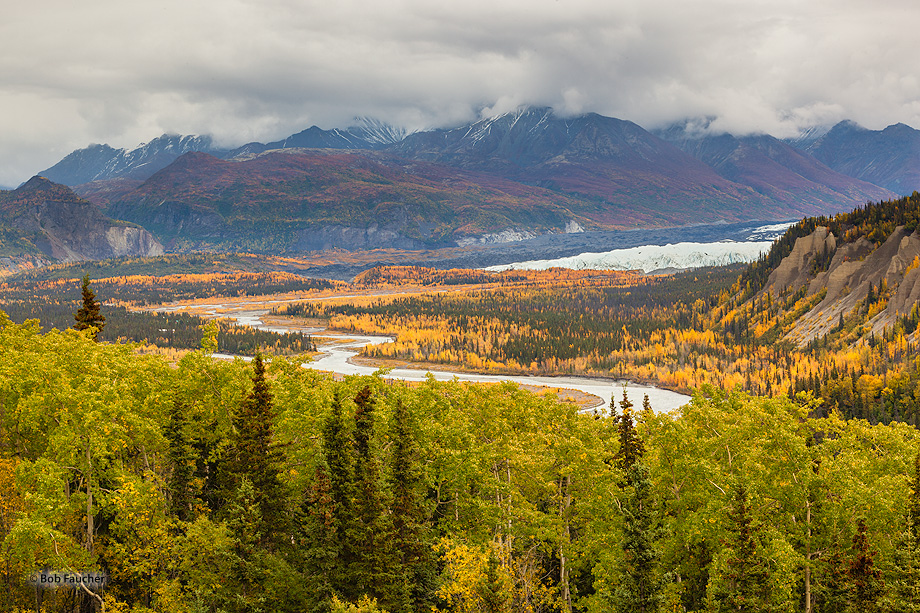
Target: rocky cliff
[48,221]
[870,285]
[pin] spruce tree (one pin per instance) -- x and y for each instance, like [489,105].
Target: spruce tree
[182,458]
[375,569]
[904,583]
[411,534]
[338,450]
[318,544]
[257,458]
[746,582]
[491,589]
[913,500]
[631,447]
[638,587]
[89,315]
[865,578]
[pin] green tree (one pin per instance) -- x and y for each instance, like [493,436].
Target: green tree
[745,584]
[182,459]
[411,533]
[257,458]
[376,571]
[318,542]
[638,586]
[631,447]
[338,450]
[89,314]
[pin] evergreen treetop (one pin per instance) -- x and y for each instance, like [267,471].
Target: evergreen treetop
[89,315]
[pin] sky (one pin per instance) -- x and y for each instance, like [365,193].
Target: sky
[123,72]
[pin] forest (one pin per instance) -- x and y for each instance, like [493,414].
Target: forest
[701,327]
[210,485]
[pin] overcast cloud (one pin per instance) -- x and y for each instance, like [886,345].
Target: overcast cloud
[123,72]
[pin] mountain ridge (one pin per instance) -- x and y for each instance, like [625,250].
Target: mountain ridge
[507,177]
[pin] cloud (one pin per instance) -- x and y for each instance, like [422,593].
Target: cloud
[123,72]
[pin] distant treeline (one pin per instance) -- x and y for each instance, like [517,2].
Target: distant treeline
[148,289]
[168,330]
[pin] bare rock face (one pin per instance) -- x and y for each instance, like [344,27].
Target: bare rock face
[58,224]
[793,272]
[855,269]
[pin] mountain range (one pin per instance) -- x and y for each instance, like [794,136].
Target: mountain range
[508,177]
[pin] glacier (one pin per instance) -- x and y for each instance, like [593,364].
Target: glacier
[651,258]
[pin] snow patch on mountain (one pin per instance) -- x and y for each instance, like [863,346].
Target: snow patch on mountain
[651,258]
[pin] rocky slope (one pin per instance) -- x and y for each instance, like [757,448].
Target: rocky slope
[857,273]
[42,221]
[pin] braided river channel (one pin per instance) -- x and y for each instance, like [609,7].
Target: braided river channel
[338,352]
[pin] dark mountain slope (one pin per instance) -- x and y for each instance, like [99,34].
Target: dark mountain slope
[315,199]
[889,158]
[634,176]
[778,170]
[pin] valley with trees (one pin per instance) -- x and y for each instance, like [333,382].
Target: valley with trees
[790,482]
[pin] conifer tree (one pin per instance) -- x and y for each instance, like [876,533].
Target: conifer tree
[182,458]
[375,568]
[338,450]
[638,587]
[904,583]
[631,447]
[89,314]
[318,544]
[491,590]
[257,458]
[865,578]
[746,584]
[411,533]
[913,501]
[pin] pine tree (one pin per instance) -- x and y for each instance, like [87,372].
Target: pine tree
[318,544]
[375,569]
[491,589]
[631,447]
[913,501]
[338,449]
[89,315]
[257,458]
[638,587]
[904,584]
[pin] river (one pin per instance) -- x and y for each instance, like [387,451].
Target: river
[338,350]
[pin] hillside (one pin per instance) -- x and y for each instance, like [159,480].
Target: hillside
[547,171]
[309,199]
[777,170]
[48,221]
[857,271]
[889,158]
